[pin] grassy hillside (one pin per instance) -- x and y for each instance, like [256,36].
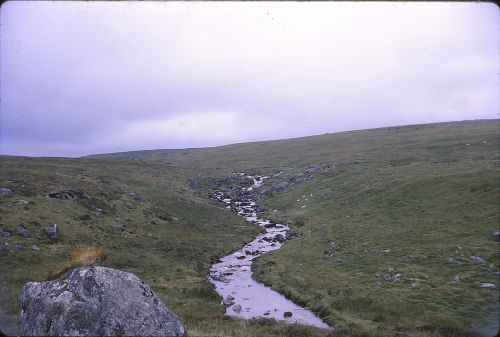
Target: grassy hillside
[441,141]
[399,200]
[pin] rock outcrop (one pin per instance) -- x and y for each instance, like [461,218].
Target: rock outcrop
[95,301]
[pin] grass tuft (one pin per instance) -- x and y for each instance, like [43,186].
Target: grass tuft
[85,256]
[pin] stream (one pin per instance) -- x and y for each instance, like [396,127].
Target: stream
[232,276]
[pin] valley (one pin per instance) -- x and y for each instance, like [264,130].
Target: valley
[389,231]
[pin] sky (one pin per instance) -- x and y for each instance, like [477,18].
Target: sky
[80,78]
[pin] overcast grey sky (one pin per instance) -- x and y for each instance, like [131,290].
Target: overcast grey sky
[92,77]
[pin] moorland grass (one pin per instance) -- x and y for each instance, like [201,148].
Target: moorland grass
[426,192]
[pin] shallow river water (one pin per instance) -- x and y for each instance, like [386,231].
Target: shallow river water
[232,276]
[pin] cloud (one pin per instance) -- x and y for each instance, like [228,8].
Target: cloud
[87,77]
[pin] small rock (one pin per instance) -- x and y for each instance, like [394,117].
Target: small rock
[134,196]
[68,195]
[237,308]
[416,283]
[287,314]
[6,192]
[456,280]
[117,226]
[228,301]
[241,257]
[279,238]
[35,248]
[496,236]
[478,259]
[19,248]
[390,270]
[4,246]
[396,278]
[52,231]
[4,232]
[488,285]
[385,250]
[23,231]
[387,277]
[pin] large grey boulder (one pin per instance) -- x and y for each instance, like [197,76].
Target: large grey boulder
[95,301]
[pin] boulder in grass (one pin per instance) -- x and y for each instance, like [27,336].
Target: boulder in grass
[52,231]
[95,301]
[496,236]
[23,231]
[6,192]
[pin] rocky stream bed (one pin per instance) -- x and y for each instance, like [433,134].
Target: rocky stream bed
[232,276]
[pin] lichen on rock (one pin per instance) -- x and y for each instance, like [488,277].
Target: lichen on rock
[95,301]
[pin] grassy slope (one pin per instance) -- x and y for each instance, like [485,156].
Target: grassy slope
[419,190]
[423,193]
[170,236]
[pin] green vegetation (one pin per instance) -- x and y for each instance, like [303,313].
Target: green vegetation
[399,200]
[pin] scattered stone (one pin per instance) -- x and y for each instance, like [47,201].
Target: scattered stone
[52,231]
[19,247]
[228,301]
[290,235]
[237,308]
[396,278]
[35,248]
[456,280]
[4,232]
[287,314]
[134,196]
[68,195]
[415,283]
[6,192]
[279,238]
[496,236]
[387,277]
[117,226]
[390,270]
[96,301]
[23,231]
[384,250]
[4,246]
[488,285]
[478,259]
